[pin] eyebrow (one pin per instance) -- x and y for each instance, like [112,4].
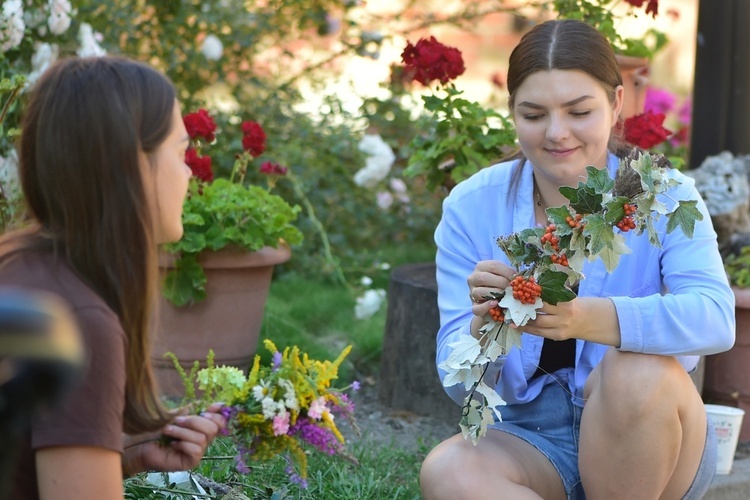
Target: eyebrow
[565,105]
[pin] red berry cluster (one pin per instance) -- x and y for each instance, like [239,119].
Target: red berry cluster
[627,223]
[549,237]
[561,259]
[497,314]
[525,290]
[574,221]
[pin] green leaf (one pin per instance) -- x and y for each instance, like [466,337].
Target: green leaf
[553,287]
[610,255]
[599,180]
[588,201]
[600,233]
[684,216]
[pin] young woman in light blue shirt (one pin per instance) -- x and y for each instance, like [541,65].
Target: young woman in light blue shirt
[600,401]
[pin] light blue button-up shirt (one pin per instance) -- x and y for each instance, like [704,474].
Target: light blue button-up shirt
[673,300]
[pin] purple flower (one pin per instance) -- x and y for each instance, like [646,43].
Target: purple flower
[659,100]
[685,113]
[241,466]
[295,478]
[319,437]
[276,360]
[356,385]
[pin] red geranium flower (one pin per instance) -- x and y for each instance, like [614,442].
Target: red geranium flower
[272,168]
[200,124]
[253,138]
[200,165]
[430,60]
[646,130]
[652,6]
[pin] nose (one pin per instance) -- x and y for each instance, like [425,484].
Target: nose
[557,128]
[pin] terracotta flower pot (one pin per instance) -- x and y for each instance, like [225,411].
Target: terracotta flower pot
[227,321]
[727,376]
[635,72]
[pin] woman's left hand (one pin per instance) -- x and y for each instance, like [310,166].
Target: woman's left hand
[587,318]
[191,435]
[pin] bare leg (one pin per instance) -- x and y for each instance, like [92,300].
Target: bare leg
[500,466]
[643,428]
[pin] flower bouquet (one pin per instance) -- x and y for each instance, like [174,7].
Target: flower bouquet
[276,410]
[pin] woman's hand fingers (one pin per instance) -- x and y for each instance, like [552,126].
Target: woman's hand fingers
[488,277]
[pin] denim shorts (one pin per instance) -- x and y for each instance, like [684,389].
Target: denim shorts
[551,424]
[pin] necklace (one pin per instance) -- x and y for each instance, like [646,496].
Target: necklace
[537,194]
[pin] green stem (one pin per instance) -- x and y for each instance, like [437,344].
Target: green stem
[321,231]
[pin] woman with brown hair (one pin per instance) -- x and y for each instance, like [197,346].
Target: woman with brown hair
[599,400]
[103,174]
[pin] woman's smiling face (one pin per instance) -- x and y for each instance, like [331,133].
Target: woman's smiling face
[564,119]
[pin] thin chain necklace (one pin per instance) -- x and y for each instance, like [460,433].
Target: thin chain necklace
[537,194]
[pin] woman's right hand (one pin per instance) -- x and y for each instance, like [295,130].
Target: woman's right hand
[488,276]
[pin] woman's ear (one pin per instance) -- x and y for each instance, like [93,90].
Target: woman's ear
[617,104]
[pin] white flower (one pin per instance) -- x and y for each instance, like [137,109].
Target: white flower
[398,185]
[12,25]
[366,281]
[290,397]
[369,303]
[261,390]
[89,46]
[380,158]
[384,266]
[9,173]
[43,57]
[212,48]
[270,408]
[59,16]
[385,200]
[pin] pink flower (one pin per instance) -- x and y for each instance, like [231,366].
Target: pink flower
[281,424]
[659,100]
[685,113]
[317,408]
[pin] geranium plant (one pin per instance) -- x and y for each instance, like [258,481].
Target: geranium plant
[548,259]
[222,212]
[464,136]
[604,15]
[278,410]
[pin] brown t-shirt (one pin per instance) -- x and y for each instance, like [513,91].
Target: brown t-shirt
[91,413]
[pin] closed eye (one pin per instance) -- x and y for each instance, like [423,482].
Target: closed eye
[579,114]
[532,117]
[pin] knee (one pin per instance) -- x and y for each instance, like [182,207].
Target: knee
[631,384]
[442,473]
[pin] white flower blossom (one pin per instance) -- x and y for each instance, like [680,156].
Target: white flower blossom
[380,158]
[369,303]
[384,266]
[398,185]
[261,390]
[270,408]
[384,200]
[89,47]
[12,25]
[366,281]
[9,173]
[43,57]
[290,397]
[59,16]
[212,48]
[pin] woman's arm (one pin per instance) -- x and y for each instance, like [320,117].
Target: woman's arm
[78,473]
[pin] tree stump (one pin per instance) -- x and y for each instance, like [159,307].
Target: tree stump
[408,375]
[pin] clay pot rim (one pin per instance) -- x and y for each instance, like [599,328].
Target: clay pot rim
[233,256]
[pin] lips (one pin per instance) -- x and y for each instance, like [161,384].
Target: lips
[560,153]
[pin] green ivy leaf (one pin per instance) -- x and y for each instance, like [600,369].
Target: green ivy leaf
[599,180]
[600,233]
[588,201]
[553,287]
[684,216]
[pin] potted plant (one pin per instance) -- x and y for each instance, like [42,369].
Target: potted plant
[216,278]
[633,54]
[724,184]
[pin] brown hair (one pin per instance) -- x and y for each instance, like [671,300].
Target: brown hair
[79,168]
[564,44]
